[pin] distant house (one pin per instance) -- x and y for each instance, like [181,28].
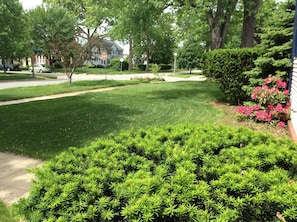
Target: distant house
[38,58]
[101,47]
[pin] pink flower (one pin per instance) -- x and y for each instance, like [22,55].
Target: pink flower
[262,115]
[281,84]
[264,87]
[279,108]
[257,89]
[286,92]
[254,96]
[256,107]
[273,90]
[281,124]
[267,80]
[248,112]
[241,110]
[288,103]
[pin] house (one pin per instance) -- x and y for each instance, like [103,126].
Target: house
[293,83]
[102,52]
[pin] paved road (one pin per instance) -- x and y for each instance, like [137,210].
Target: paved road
[61,78]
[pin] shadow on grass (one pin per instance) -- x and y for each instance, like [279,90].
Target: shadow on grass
[206,91]
[43,129]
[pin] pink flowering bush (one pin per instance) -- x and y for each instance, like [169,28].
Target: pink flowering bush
[271,103]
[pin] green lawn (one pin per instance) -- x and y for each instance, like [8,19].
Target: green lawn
[13,76]
[5,215]
[185,75]
[28,92]
[43,129]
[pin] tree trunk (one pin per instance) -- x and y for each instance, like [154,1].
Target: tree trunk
[148,60]
[219,21]
[69,76]
[249,22]
[130,53]
[4,65]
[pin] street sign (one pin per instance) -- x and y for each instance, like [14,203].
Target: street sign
[104,56]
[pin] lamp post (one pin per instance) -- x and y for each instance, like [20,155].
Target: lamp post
[122,60]
[32,57]
[174,65]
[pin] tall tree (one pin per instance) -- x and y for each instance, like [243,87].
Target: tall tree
[144,24]
[249,22]
[91,16]
[190,54]
[157,42]
[54,30]
[217,14]
[122,25]
[275,43]
[12,22]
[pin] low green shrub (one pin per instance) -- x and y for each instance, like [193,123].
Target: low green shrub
[228,66]
[155,68]
[173,173]
[141,67]
[166,66]
[116,64]
[5,215]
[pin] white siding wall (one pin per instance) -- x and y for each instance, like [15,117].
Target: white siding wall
[294,96]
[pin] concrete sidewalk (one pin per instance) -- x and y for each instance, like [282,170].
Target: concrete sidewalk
[56,96]
[14,178]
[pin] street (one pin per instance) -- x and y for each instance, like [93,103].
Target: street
[61,78]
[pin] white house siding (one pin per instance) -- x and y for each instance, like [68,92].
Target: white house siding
[112,49]
[294,96]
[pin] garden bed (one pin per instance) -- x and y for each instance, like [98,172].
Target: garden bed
[230,120]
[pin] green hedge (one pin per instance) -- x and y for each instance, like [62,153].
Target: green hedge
[116,64]
[174,173]
[228,66]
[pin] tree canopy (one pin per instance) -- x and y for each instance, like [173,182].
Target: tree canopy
[12,23]
[153,28]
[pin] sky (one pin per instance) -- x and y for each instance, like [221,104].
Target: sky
[29,4]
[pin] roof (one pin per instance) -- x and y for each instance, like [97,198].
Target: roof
[107,44]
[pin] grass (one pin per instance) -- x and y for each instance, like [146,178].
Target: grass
[5,215]
[13,76]
[43,129]
[185,75]
[29,92]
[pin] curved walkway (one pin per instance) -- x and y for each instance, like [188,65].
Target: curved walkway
[14,177]
[56,96]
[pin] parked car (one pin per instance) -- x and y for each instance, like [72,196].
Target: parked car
[41,68]
[10,67]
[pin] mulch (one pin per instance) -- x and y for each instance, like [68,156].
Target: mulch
[230,119]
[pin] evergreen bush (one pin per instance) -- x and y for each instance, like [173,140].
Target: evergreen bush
[276,45]
[173,173]
[228,66]
[166,66]
[116,64]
